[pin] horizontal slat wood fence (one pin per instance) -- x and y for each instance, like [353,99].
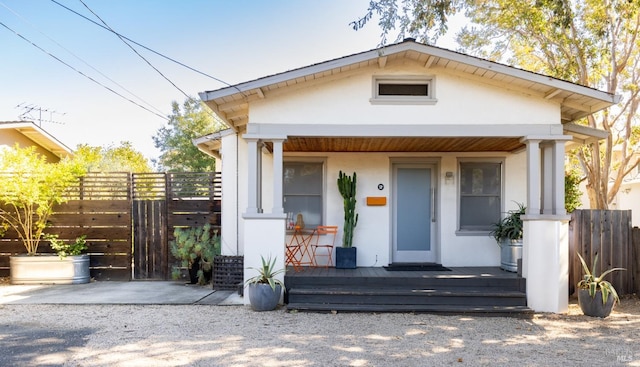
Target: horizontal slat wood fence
[609,234]
[113,209]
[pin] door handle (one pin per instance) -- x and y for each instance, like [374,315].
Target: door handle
[433,204]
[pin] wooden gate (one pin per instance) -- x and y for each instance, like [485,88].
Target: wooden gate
[163,202]
[607,233]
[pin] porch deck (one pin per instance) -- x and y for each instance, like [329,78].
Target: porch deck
[478,290]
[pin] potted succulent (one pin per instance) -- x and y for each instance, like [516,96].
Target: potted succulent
[196,248]
[264,288]
[596,296]
[346,255]
[508,234]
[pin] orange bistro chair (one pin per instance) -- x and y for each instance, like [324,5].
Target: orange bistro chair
[294,251]
[328,234]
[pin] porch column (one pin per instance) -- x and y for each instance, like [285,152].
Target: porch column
[277,177]
[546,243]
[533,176]
[253,205]
[264,233]
[558,178]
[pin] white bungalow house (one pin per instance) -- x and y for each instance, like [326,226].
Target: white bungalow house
[467,137]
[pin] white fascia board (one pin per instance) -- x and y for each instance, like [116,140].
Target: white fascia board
[265,131]
[586,131]
[46,140]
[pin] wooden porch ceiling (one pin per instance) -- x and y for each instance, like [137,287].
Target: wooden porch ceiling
[406,144]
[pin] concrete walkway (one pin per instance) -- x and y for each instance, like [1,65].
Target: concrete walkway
[129,293]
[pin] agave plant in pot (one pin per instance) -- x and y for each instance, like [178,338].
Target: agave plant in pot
[596,296]
[508,234]
[264,288]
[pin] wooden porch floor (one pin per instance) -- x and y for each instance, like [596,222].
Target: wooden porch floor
[379,272]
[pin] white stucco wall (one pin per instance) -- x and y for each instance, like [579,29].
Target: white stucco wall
[459,102]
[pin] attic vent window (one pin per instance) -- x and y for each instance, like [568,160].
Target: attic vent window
[403,90]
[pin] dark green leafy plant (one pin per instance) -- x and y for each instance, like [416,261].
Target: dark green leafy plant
[594,283]
[64,249]
[266,274]
[347,188]
[510,227]
[195,244]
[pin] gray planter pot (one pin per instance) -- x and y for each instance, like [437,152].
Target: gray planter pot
[49,269]
[263,298]
[510,252]
[594,306]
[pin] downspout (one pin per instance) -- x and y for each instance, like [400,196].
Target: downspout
[237,193]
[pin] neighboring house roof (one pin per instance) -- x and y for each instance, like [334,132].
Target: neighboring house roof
[576,101]
[36,134]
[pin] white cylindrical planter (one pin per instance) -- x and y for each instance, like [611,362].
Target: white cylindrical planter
[49,269]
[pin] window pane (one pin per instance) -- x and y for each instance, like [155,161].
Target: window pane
[302,178]
[309,206]
[403,89]
[479,212]
[303,190]
[480,195]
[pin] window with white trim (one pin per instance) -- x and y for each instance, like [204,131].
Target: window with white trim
[403,90]
[480,194]
[303,191]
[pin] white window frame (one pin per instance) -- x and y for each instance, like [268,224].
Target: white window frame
[429,99]
[323,199]
[492,160]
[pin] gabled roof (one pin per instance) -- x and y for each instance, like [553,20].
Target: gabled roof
[36,134]
[577,101]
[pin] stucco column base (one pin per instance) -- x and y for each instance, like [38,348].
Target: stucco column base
[545,261]
[264,235]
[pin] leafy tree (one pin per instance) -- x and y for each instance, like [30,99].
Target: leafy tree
[30,188]
[175,140]
[122,158]
[590,42]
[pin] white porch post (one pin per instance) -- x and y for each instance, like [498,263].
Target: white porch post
[277,177]
[252,176]
[264,233]
[546,243]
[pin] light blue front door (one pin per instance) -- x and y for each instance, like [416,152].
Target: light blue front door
[413,213]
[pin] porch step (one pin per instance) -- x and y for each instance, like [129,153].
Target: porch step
[510,311]
[487,291]
[409,296]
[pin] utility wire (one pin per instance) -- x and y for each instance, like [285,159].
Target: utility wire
[138,44]
[80,72]
[136,51]
[78,58]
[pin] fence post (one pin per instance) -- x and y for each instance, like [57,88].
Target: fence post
[635,259]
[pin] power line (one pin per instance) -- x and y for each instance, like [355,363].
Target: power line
[141,45]
[78,58]
[80,72]
[136,51]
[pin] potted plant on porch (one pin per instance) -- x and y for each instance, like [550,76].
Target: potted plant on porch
[31,187]
[264,288]
[596,296]
[346,255]
[508,235]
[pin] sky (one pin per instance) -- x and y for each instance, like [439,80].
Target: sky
[231,40]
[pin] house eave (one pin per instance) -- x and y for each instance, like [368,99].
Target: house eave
[39,136]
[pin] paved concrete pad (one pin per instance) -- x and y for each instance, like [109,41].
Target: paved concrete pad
[133,293]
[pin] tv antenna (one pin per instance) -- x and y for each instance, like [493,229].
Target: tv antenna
[30,111]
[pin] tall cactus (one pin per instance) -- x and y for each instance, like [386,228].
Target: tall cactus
[347,188]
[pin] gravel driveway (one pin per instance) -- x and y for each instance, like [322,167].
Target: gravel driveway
[202,335]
